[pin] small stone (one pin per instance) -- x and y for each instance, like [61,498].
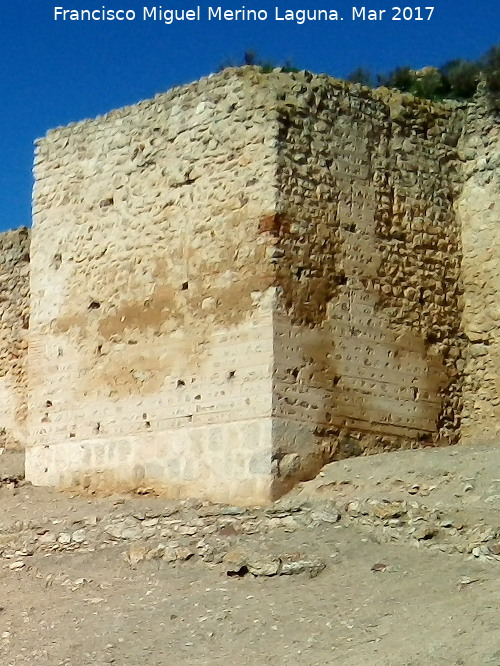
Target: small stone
[183,553]
[175,553]
[236,558]
[378,566]
[136,554]
[232,511]
[331,516]
[15,566]
[312,567]
[26,552]
[150,522]
[466,580]
[353,509]
[446,523]
[494,548]
[155,553]
[289,465]
[229,530]
[188,530]
[264,567]
[131,533]
[64,538]
[388,510]
[169,555]
[129,529]
[287,523]
[425,533]
[78,536]
[46,538]
[90,521]
[206,552]
[395,522]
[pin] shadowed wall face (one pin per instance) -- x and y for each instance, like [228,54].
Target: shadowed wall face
[368,346]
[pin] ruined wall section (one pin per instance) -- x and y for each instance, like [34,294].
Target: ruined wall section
[478,209]
[367,251]
[152,295]
[14,321]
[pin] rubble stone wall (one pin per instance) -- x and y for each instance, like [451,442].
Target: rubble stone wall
[368,341]
[14,320]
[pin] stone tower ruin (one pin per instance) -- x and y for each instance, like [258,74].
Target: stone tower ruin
[249,276]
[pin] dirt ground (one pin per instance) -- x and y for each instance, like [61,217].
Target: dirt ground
[383,598]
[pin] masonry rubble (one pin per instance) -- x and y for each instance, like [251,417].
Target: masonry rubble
[236,540]
[252,275]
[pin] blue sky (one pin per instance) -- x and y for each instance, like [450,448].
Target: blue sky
[55,72]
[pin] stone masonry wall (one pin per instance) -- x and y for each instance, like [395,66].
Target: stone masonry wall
[153,297]
[367,339]
[479,211]
[14,320]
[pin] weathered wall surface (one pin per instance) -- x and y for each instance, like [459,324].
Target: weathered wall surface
[367,339]
[153,298]
[14,320]
[479,211]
